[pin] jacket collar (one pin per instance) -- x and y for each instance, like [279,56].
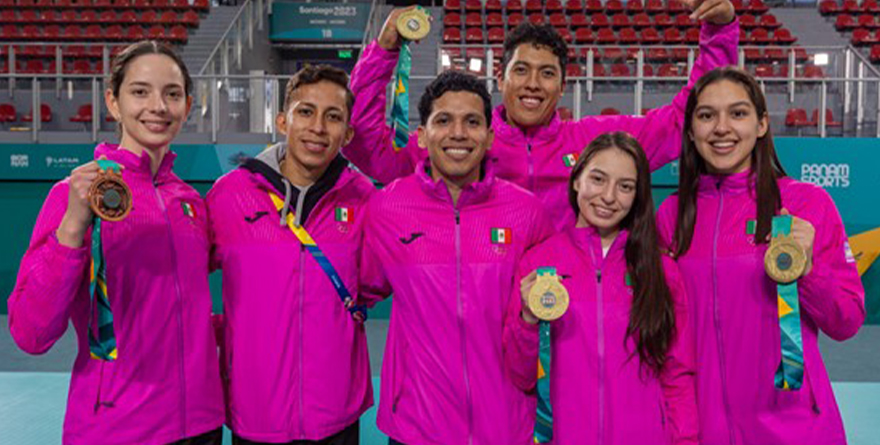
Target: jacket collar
[472,194]
[588,240]
[136,164]
[540,134]
[736,183]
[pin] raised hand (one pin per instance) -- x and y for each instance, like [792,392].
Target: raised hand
[718,12]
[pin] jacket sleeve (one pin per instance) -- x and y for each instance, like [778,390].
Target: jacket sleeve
[373,285]
[371,148]
[677,379]
[215,262]
[49,280]
[832,294]
[659,131]
[520,339]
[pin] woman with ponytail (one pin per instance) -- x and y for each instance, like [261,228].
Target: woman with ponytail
[622,359]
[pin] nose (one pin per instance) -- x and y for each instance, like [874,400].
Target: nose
[458,130]
[532,81]
[157,103]
[318,125]
[722,126]
[609,193]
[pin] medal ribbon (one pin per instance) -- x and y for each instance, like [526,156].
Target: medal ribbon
[790,373]
[312,247]
[400,105]
[544,417]
[102,337]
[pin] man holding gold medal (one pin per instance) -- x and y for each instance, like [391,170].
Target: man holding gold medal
[533,146]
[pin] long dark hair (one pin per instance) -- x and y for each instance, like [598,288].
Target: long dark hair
[766,167]
[652,316]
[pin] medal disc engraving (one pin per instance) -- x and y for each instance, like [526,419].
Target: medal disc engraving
[109,196]
[784,261]
[413,25]
[548,299]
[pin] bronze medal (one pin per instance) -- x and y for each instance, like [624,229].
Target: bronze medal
[109,196]
[414,24]
[784,261]
[548,299]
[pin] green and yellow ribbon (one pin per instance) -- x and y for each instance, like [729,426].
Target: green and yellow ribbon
[102,336]
[790,373]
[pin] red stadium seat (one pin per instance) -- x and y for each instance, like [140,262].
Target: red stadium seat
[574,70]
[662,20]
[513,20]
[88,16]
[748,21]
[760,36]
[564,113]
[641,20]
[156,32]
[782,36]
[609,111]
[828,7]
[128,17]
[31,32]
[574,7]
[650,36]
[473,6]
[565,34]
[634,6]
[769,21]
[45,114]
[473,20]
[579,20]
[93,32]
[537,18]
[613,6]
[558,20]
[190,18]
[606,36]
[494,19]
[628,36]
[676,7]
[875,54]
[668,70]
[692,36]
[514,6]
[796,117]
[656,55]
[757,7]
[593,6]
[452,5]
[672,36]
[136,32]
[619,20]
[764,70]
[168,18]
[620,70]
[107,17]
[495,35]
[866,21]
[850,6]
[493,6]
[813,72]
[178,34]
[552,6]
[863,37]
[450,35]
[600,20]
[149,17]
[752,54]
[844,22]
[655,6]
[474,35]
[584,35]
[684,21]
[829,119]
[8,113]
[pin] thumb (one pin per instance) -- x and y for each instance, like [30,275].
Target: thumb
[784,211]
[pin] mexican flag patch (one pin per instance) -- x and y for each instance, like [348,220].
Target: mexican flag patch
[570,159]
[501,235]
[188,209]
[343,214]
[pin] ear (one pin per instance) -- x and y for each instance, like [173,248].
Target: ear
[189,104]
[423,138]
[763,125]
[112,104]
[281,123]
[490,138]
[349,134]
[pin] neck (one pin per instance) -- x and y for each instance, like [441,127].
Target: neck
[156,155]
[456,184]
[298,174]
[524,129]
[606,235]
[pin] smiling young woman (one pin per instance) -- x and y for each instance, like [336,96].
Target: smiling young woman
[146,370]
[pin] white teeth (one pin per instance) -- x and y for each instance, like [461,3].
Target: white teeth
[314,146]
[530,102]
[457,153]
[726,144]
[156,126]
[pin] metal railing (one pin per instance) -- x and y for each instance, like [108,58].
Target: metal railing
[252,14]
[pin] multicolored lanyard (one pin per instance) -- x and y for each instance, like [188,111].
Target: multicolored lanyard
[102,337]
[400,105]
[312,247]
[790,373]
[544,417]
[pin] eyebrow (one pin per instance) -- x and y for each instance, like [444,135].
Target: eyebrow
[147,84]
[546,65]
[736,104]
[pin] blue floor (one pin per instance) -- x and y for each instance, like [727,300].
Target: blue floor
[32,410]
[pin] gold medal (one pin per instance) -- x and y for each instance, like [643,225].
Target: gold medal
[413,24]
[784,261]
[109,195]
[548,299]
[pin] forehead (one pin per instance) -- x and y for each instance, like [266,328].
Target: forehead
[459,103]
[534,54]
[323,93]
[723,93]
[154,69]
[614,162]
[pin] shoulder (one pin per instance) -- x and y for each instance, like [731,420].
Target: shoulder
[233,181]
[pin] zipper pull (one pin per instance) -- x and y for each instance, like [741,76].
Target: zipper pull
[457,217]
[598,275]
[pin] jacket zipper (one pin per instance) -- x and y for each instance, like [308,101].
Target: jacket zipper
[302,285]
[718,337]
[531,168]
[179,306]
[462,325]
[600,345]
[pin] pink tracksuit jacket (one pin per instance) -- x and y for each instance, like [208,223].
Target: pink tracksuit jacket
[451,270]
[732,306]
[599,391]
[297,362]
[534,159]
[165,385]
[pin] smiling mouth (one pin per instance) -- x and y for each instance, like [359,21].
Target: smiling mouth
[722,145]
[458,153]
[315,146]
[531,102]
[603,212]
[156,126]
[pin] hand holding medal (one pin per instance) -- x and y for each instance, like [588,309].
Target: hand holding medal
[109,195]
